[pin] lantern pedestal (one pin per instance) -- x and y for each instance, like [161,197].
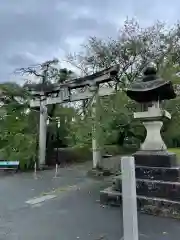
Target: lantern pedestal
[153,152]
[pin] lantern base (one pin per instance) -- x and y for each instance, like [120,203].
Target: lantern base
[155,158]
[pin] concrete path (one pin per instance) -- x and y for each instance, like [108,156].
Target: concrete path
[67,208]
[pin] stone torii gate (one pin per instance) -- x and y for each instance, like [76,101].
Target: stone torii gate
[63,93]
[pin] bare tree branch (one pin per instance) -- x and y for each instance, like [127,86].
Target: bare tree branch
[42,71]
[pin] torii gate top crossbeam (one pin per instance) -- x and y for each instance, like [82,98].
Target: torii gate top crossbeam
[96,78]
[62,92]
[93,79]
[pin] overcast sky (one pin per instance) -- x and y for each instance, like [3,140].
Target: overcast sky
[37,30]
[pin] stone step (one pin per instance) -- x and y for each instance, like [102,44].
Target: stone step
[153,188]
[158,173]
[150,205]
[156,159]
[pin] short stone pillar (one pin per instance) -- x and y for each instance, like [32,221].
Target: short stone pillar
[153,139]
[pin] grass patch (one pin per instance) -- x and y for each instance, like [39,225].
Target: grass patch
[176,151]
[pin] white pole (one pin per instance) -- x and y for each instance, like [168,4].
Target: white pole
[130,221]
[95,138]
[35,170]
[58,126]
[56,171]
[42,134]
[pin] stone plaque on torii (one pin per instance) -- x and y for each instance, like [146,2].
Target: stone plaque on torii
[64,93]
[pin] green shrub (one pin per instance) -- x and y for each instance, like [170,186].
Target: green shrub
[81,154]
[118,150]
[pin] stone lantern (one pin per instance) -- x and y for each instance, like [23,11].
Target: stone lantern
[150,91]
[157,170]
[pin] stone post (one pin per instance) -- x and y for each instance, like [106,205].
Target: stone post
[129,207]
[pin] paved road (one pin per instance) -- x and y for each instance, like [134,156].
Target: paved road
[73,212]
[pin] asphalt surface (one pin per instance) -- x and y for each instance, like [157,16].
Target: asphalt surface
[73,212]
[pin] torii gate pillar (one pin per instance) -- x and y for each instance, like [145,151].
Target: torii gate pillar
[42,134]
[96,148]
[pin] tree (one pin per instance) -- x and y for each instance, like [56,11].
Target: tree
[47,74]
[18,131]
[133,49]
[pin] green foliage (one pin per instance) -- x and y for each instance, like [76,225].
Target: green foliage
[18,131]
[17,140]
[171,129]
[80,132]
[81,154]
[133,49]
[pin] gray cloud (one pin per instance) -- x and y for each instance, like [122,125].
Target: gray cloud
[35,30]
